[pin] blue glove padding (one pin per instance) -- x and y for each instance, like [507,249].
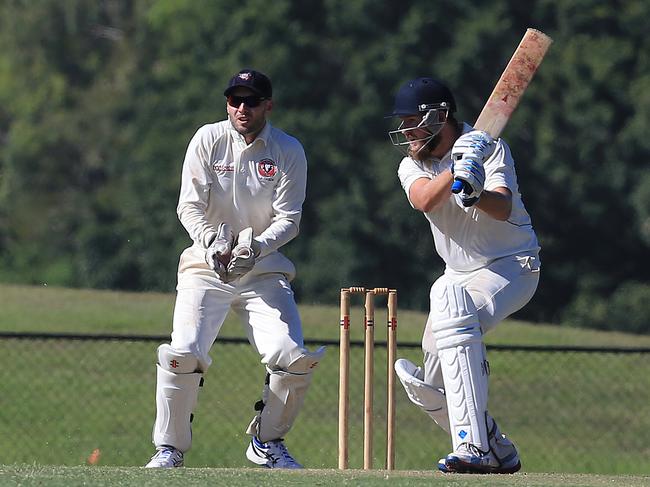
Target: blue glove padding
[472,173]
[476,145]
[467,154]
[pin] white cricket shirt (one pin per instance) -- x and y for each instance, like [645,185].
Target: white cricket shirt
[467,238]
[261,185]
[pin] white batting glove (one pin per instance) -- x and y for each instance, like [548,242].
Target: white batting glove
[217,255]
[243,255]
[476,144]
[468,153]
[472,175]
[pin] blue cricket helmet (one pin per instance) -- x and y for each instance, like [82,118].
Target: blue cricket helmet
[419,94]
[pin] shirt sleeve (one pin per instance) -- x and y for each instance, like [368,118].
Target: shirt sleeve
[409,171]
[195,189]
[500,169]
[288,198]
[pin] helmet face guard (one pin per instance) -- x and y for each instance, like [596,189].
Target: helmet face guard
[434,117]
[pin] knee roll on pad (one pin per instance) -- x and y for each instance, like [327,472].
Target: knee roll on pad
[427,397]
[283,396]
[176,361]
[452,311]
[306,363]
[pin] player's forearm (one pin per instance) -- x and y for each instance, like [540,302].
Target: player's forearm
[496,203]
[426,195]
[192,217]
[280,232]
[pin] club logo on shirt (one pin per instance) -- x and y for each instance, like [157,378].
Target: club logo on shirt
[267,168]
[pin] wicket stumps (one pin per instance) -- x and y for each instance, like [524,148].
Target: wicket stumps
[344,370]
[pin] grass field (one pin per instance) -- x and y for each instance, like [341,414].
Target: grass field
[48,309]
[66,398]
[27,476]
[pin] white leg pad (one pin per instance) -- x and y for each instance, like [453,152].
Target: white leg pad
[283,397]
[176,396]
[431,400]
[463,364]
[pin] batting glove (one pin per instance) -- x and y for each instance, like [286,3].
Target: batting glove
[468,153]
[217,255]
[243,255]
[472,175]
[477,145]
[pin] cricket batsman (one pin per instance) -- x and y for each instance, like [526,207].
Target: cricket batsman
[485,237]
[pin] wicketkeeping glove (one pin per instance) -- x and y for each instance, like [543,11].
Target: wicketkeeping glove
[217,255]
[243,255]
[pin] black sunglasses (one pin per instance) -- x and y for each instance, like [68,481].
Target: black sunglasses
[251,101]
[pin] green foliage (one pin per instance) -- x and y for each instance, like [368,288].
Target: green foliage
[627,309]
[99,99]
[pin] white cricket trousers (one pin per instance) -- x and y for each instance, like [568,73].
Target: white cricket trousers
[497,290]
[265,306]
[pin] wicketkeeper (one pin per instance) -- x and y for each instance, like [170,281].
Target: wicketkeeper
[486,239]
[242,190]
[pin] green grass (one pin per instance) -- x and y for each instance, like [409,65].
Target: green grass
[567,412]
[50,309]
[26,476]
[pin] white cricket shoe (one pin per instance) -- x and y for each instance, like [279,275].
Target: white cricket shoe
[166,457]
[272,454]
[469,459]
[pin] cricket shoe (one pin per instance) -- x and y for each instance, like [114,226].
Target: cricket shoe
[272,454]
[166,457]
[469,459]
[442,465]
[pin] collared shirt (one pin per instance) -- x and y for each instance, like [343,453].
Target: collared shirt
[260,185]
[468,238]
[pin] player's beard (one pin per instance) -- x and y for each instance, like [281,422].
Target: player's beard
[254,126]
[426,152]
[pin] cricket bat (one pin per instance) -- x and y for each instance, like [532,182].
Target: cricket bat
[511,86]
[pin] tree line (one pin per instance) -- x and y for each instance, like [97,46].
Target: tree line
[99,99]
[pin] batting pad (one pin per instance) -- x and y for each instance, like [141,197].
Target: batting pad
[176,396]
[466,384]
[459,340]
[431,400]
[283,397]
[176,361]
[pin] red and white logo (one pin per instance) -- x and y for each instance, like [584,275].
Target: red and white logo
[267,168]
[245,76]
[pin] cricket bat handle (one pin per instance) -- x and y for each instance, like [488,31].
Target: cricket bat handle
[460,185]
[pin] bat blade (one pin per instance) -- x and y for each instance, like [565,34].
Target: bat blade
[513,82]
[511,86]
